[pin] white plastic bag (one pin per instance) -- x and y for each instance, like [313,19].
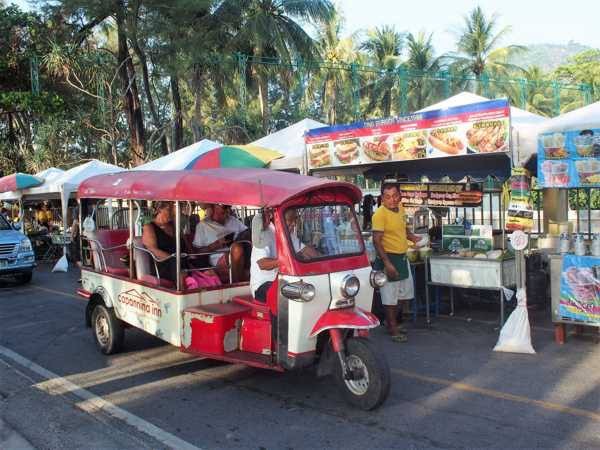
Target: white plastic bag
[62,265]
[515,335]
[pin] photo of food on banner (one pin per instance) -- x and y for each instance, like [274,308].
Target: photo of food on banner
[580,289]
[569,159]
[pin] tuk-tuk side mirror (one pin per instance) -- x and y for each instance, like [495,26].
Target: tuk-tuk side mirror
[17,226]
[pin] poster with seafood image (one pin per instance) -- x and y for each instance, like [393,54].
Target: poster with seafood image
[468,129]
[569,158]
[580,289]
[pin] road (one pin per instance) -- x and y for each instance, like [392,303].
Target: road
[449,390]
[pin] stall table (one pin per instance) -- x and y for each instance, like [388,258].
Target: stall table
[469,273]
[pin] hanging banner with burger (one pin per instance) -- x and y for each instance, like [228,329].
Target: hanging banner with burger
[469,129]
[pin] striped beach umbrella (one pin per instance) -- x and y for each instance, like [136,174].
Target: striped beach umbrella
[18,181]
[235,156]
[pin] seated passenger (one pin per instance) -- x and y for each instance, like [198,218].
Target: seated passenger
[264,264]
[158,237]
[216,234]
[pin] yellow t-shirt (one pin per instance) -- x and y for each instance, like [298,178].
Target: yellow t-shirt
[393,226]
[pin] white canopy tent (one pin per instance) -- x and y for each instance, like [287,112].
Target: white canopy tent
[579,119]
[180,159]
[525,125]
[290,142]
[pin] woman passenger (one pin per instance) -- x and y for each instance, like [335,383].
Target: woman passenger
[158,237]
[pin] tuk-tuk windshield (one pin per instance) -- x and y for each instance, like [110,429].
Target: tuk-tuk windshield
[323,231]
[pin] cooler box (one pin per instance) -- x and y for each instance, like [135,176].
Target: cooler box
[256,336]
[214,329]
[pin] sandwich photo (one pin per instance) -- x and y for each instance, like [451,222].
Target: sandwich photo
[446,140]
[346,151]
[377,148]
[318,155]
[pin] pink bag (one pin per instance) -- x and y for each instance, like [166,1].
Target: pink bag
[204,279]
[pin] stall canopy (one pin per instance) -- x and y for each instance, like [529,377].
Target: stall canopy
[525,124]
[181,159]
[290,142]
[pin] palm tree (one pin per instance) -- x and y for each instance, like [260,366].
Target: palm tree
[539,95]
[270,28]
[384,47]
[421,61]
[333,83]
[478,51]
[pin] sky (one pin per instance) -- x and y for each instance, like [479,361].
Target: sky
[532,21]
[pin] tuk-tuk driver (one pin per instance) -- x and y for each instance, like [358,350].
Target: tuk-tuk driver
[302,251]
[264,264]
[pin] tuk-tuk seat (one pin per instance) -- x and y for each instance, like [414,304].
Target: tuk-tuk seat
[107,247]
[258,309]
[145,268]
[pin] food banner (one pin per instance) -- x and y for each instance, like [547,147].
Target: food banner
[469,129]
[580,289]
[520,208]
[440,194]
[569,159]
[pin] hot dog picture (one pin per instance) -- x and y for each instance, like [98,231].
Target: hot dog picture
[346,151]
[377,149]
[318,155]
[446,140]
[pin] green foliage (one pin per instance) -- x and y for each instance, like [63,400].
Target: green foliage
[184,61]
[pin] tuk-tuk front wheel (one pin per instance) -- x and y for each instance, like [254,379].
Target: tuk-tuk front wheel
[108,330]
[366,383]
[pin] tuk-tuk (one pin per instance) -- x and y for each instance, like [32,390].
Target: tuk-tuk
[316,313]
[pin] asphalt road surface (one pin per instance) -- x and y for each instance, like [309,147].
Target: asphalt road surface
[449,390]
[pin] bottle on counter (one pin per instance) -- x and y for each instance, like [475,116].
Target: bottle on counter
[564,243]
[580,245]
[595,244]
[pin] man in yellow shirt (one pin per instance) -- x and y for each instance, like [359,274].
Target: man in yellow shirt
[390,240]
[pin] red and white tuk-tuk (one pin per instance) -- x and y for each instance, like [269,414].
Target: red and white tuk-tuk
[317,311]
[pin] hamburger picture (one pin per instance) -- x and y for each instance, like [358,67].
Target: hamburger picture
[318,155]
[346,151]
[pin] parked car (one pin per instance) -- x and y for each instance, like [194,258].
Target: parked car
[16,254]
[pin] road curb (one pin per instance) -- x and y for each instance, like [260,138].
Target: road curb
[11,440]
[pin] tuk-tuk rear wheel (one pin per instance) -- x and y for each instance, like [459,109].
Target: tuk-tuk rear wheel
[108,330]
[371,385]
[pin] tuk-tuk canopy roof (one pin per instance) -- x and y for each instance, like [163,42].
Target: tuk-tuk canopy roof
[247,187]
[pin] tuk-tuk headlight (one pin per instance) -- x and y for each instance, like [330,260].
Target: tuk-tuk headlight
[378,278]
[350,286]
[299,291]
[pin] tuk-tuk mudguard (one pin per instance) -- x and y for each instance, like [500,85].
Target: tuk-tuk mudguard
[352,318]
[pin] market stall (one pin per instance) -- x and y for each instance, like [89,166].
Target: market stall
[452,164]
[568,162]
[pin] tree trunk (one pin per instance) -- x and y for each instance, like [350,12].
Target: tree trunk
[263,93]
[164,149]
[197,87]
[177,114]
[131,100]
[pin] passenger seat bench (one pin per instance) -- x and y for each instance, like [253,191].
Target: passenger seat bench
[108,246]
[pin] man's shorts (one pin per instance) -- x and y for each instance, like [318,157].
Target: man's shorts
[394,291]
